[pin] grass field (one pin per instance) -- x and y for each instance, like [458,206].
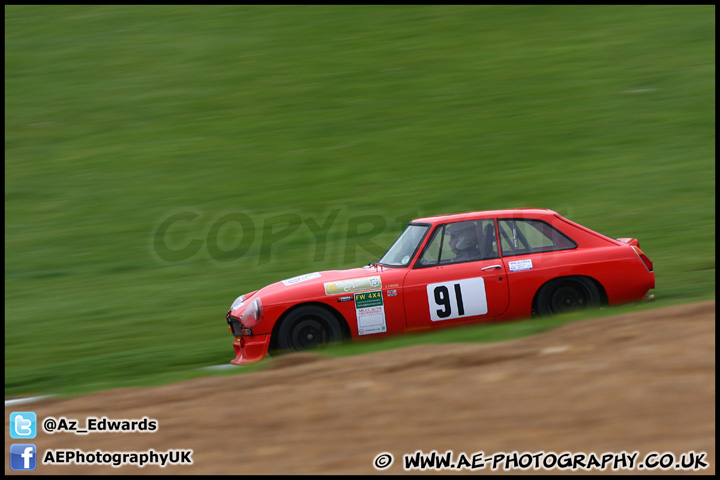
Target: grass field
[160,161]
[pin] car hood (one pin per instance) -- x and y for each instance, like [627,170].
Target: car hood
[322,284]
[332,282]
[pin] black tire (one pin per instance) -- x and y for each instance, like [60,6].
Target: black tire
[567,295]
[307,328]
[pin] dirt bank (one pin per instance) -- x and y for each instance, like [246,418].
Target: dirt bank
[637,382]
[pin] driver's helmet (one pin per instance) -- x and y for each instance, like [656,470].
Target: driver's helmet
[465,233]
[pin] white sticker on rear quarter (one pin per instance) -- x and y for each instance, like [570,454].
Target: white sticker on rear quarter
[518,265]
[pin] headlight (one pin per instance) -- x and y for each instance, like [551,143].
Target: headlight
[238,302]
[252,314]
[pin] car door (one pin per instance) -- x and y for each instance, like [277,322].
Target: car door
[448,285]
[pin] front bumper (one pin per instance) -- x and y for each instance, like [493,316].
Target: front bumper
[249,350]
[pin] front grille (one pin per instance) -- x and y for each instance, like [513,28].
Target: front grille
[236,328]
[235,325]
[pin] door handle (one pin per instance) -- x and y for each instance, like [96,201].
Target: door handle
[492,266]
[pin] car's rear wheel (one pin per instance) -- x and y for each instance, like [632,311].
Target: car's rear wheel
[307,328]
[567,295]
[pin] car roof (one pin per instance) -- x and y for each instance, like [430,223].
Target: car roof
[509,213]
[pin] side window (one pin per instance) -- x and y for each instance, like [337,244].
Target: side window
[524,236]
[461,242]
[431,255]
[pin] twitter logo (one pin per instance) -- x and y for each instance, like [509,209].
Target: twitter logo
[23,425]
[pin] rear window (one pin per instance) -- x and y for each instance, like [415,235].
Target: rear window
[524,236]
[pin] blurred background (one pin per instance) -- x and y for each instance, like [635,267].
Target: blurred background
[230,135]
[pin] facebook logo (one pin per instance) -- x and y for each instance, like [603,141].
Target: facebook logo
[23,425]
[23,456]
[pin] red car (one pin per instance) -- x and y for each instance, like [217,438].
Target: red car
[446,270]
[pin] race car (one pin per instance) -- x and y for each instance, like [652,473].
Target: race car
[445,270]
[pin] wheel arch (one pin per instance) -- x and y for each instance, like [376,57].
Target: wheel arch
[598,285]
[340,318]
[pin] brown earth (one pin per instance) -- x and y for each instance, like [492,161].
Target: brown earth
[640,382]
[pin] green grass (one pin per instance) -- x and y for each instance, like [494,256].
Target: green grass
[118,117]
[497,332]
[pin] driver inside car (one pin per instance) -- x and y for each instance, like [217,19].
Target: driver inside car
[463,241]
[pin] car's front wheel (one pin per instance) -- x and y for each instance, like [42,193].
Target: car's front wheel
[566,295]
[308,327]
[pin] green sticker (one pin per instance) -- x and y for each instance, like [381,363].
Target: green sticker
[368,299]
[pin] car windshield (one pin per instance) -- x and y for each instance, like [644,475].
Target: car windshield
[404,248]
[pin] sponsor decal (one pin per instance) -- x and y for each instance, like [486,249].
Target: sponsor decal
[370,312]
[353,285]
[300,278]
[519,265]
[345,298]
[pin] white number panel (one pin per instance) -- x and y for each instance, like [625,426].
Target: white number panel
[457,299]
